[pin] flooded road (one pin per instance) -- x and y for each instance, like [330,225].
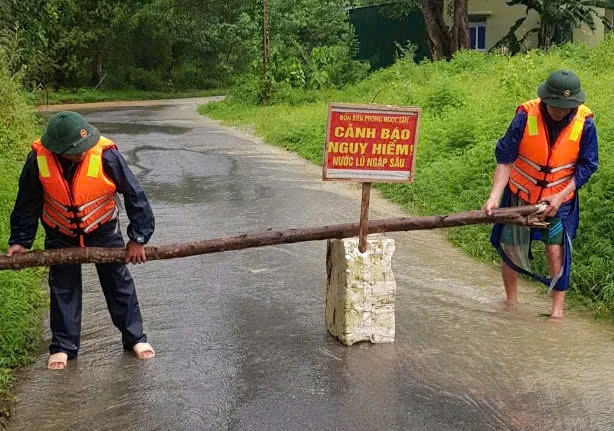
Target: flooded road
[240,337]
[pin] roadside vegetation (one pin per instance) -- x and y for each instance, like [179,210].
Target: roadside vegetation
[171,48]
[86,95]
[21,295]
[467,105]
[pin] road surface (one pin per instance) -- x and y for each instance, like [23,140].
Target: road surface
[240,336]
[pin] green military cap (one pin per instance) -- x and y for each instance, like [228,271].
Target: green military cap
[69,133]
[562,90]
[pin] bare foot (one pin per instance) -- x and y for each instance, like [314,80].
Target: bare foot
[551,318]
[510,303]
[510,306]
[57,361]
[558,305]
[144,351]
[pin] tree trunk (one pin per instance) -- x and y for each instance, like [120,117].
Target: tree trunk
[266,49]
[436,29]
[267,85]
[96,69]
[460,29]
[526,216]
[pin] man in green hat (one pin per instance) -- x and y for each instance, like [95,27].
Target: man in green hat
[548,153]
[71,181]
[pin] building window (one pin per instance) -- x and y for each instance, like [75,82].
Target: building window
[477,33]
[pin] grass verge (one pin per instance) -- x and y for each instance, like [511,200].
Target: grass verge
[86,95]
[468,104]
[21,297]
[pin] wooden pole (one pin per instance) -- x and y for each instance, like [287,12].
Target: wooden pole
[364,217]
[266,38]
[266,49]
[524,216]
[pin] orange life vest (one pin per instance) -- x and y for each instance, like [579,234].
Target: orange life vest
[81,207]
[541,170]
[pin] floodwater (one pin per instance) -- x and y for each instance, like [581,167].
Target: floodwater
[240,336]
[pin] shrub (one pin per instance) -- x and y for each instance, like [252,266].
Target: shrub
[147,80]
[189,76]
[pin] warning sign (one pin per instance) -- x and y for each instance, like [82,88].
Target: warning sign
[371,143]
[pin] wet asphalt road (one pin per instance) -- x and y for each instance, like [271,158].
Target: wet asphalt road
[240,337]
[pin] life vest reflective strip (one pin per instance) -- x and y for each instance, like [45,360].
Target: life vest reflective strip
[542,170]
[87,204]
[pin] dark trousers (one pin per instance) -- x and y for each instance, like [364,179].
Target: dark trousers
[66,293]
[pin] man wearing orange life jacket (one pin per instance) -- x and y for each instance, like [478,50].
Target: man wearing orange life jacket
[548,153]
[70,182]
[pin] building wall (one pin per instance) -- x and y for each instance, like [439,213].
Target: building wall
[500,17]
[584,34]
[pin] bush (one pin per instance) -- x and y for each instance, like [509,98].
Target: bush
[189,76]
[290,71]
[147,80]
[284,93]
[293,82]
[442,99]
[246,90]
[468,104]
[333,66]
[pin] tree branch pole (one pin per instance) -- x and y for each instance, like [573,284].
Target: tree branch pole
[364,217]
[524,216]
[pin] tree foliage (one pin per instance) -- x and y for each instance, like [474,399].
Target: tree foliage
[162,45]
[176,44]
[557,21]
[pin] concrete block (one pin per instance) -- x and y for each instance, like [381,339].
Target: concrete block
[361,290]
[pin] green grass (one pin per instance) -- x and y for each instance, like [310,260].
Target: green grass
[21,297]
[468,104]
[86,95]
